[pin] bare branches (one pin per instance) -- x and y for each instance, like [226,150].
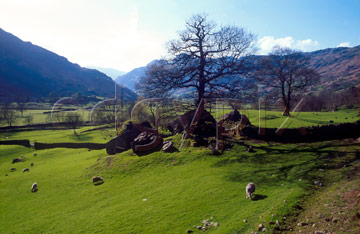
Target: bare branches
[201,56]
[287,70]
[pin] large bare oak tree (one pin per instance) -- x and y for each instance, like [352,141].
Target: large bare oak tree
[208,59]
[288,71]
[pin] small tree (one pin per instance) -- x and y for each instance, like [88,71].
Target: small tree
[28,119]
[208,60]
[7,114]
[287,71]
[73,120]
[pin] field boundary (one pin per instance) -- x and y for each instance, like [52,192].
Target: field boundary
[72,145]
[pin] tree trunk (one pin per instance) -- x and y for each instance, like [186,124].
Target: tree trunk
[286,111]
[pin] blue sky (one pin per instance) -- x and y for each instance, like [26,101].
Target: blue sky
[125,34]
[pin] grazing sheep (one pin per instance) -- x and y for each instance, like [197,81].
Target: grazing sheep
[12,169]
[32,164]
[250,189]
[97,180]
[26,169]
[34,187]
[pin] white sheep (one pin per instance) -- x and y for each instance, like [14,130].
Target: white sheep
[34,187]
[250,189]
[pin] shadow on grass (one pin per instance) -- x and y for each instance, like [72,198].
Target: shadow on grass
[258,197]
[273,165]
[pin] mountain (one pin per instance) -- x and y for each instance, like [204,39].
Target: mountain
[129,79]
[111,72]
[339,68]
[27,70]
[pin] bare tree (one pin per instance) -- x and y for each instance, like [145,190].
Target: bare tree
[204,58]
[288,71]
[7,114]
[73,120]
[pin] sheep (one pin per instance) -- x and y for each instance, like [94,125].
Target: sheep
[97,180]
[250,189]
[26,169]
[34,187]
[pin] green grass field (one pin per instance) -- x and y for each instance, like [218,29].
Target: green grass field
[181,189]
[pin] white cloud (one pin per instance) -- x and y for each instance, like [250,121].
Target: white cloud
[267,43]
[344,44]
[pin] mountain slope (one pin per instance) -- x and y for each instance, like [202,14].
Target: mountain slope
[110,72]
[28,70]
[339,68]
[129,79]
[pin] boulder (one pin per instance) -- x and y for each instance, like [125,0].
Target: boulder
[145,141]
[205,127]
[122,142]
[235,116]
[168,146]
[15,160]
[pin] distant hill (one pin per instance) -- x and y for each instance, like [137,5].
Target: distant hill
[28,70]
[111,72]
[339,68]
[129,79]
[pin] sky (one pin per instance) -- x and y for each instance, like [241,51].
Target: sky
[125,34]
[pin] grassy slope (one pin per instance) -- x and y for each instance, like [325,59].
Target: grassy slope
[181,188]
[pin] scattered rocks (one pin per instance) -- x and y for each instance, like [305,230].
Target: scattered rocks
[206,224]
[12,169]
[302,224]
[168,147]
[260,227]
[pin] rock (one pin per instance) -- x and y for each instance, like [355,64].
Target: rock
[328,219]
[26,169]
[189,231]
[319,232]
[215,152]
[122,142]
[335,220]
[6,174]
[168,147]
[321,170]
[205,127]
[35,154]
[245,220]
[97,180]
[271,223]
[199,227]
[12,169]
[250,149]
[32,164]
[15,160]
[302,224]
[214,224]
[277,223]
[145,141]
[260,227]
